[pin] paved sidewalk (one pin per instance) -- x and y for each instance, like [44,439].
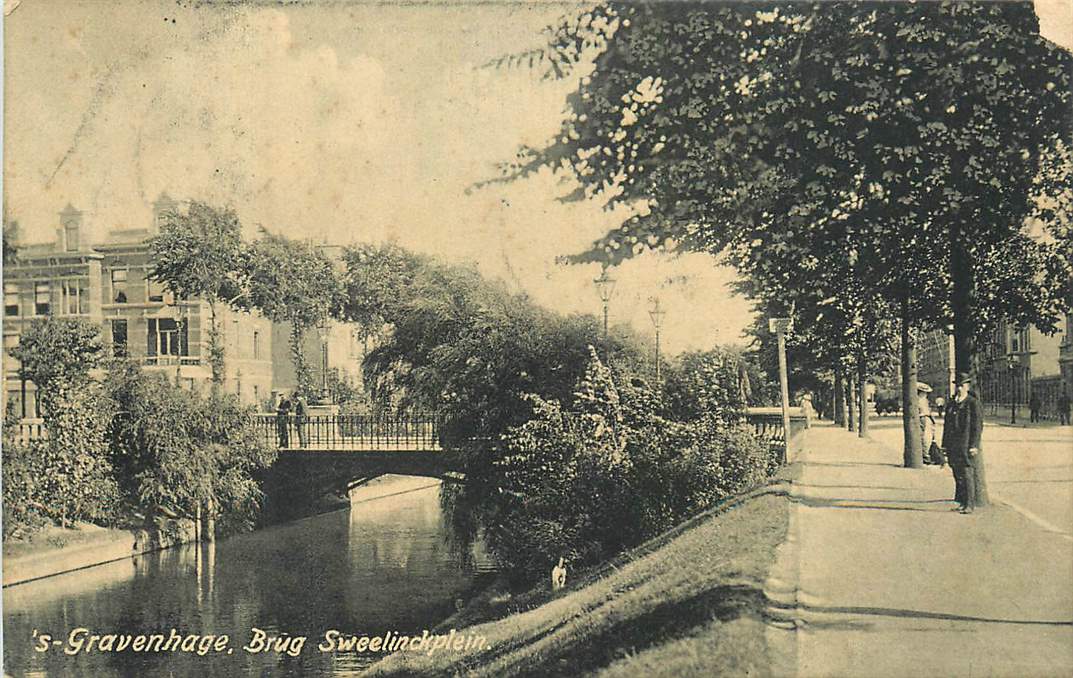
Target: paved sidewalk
[879,577]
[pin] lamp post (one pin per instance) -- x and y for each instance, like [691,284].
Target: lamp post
[323,330]
[605,285]
[951,357]
[657,314]
[1012,362]
[779,327]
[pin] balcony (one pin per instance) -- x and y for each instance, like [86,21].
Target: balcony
[171,361]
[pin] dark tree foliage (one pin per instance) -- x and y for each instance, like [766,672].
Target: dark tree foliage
[292,281]
[174,449]
[902,138]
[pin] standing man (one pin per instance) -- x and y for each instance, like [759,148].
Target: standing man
[1063,408]
[962,433]
[1033,407]
[283,413]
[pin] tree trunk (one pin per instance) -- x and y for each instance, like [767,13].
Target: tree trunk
[301,366]
[912,452]
[962,299]
[216,349]
[838,413]
[851,403]
[862,394]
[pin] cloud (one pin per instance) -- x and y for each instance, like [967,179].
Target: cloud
[351,135]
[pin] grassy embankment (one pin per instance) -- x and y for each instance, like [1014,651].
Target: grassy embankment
[688,603]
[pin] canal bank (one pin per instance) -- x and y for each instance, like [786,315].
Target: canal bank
[689,602]
[56,550]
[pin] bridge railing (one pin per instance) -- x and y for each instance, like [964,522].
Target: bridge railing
[767,425]
[356,432]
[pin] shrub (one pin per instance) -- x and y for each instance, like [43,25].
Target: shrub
[609,472]
[24,507]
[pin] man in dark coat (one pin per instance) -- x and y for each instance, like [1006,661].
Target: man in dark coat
[962,432]
[283,415]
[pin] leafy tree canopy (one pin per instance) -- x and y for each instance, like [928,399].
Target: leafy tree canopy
[291,280]
[56,352]
[199,253]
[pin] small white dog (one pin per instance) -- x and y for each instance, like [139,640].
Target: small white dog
[558,575]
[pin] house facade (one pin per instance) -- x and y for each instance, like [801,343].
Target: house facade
[1012,365]
[107,284]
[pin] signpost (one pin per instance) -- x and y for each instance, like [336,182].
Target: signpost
[780,326]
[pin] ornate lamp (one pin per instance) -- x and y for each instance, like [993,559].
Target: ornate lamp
[657,314]
[605,285]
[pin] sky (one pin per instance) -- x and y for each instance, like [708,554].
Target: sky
[336,121]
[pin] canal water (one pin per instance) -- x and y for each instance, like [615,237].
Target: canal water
[383,566]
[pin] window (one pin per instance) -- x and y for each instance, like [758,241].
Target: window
[1019,340]
[256,345]
[119,338]
[154,291]
[165,338]
[75,297]
[119,286]
[70,233]
[11,299]
[42,298]
[10,342]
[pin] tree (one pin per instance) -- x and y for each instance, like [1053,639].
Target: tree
[198,255]
[175,451]
[57,354]
[292,281]
[743,127]
[379,281]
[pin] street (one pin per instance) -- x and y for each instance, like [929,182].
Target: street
[1029,467]
[878,577]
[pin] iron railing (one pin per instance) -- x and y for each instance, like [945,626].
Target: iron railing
[418,431]
[412,431]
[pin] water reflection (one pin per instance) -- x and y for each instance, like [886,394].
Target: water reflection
[384,565]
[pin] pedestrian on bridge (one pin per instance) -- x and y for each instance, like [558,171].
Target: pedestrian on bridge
[962,433]
[283,415]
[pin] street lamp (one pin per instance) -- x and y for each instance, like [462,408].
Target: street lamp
[657,314]
[324,330]
[951,360]
[1012,363]
[605,285]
